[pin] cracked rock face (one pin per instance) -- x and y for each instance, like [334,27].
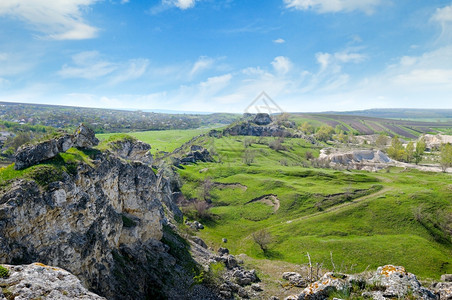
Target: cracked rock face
[84,137]
[88,222]
[132,150]
[39,281]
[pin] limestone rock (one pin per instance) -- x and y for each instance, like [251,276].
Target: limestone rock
[398,283]
[88,222]
[197,153]
[245,277]
[262,119]
[84,137]
[132,149]
[446,277]
[38,281]
[357,159]
[29,155]
[443,289]
[295,279]
[323,287]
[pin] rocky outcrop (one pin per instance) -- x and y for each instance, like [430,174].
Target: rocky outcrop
[358,159]
[249,128]
[262,119]
[433,142]
[197,153]
[388,282]
[132,149]
[104,223]
[39,281]
[29,155]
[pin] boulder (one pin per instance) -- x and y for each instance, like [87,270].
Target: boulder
[84,137]
[446,277]
[223,251]
[398,283]
[322,288]
[443,289]
[29,155]
[200,242]
[38,281]
[244,277]
[295,279]
[132,149]
[262,119]
[197,153]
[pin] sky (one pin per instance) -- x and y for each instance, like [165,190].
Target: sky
[218,56]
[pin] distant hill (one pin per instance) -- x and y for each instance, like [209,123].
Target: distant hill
[400,113]
[107,120]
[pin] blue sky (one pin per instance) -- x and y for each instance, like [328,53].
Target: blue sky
[211,55]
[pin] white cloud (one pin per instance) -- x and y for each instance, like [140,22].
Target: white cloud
[203,63]
[282,64]
[182,4]
[332,6]
[125,1]
[91,65]
[87,65]
[58,19]
[279,41]
[444,17]
[443,14]
[347,57]
[134,69]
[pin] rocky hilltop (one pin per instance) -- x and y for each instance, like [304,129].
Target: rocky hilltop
[106,221]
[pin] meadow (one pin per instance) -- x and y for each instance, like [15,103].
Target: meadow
[362,219]
[160,140]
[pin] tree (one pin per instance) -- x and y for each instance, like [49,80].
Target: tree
[263,238]
[248,157]
[420,148]
[324,133]
[409,150]
[445,159]
[341,137]
[381,141]
[306,128]
[338,129]
[206,188]
[396,150]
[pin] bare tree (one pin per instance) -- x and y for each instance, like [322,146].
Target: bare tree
[248,157]
[263,238]
[206,188]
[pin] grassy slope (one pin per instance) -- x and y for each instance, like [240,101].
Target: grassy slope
[164,140]
[378,230]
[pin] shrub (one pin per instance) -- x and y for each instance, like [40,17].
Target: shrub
[263,238]
[4,272]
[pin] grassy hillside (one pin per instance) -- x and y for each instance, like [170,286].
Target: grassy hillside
[162,140]
[363,219]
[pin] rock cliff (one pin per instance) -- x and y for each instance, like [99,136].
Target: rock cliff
[106,222]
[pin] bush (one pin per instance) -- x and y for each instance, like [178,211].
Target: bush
[263,238]
[277,144]
[4,272]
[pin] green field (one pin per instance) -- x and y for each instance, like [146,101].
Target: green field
[162,140]
[364,219]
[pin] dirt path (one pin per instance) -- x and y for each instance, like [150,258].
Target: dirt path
[340,206]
